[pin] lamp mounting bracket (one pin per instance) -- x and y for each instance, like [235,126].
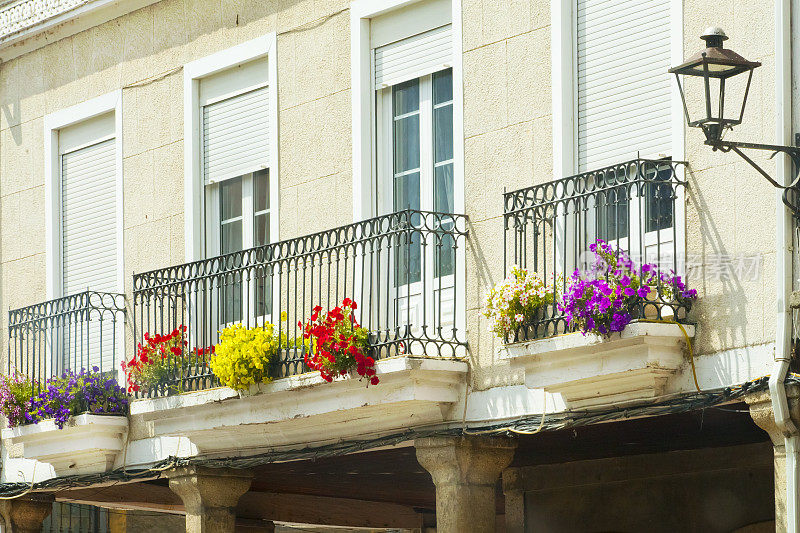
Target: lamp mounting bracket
[791,192]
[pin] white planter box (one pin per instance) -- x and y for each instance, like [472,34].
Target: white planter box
[591,370]
[304,410]
[88,444]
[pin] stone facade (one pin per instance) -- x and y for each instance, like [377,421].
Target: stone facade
[507,144]
[508,141]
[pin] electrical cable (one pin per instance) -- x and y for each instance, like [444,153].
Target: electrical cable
[531,424]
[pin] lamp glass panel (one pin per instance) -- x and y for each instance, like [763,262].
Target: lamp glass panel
[732,92]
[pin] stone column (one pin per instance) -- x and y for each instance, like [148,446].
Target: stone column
[209,496]
[465,471]
[28,512]
[762,414]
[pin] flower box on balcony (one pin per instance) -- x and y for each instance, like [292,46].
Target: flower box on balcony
[306,410]
[592,370]
[88,444]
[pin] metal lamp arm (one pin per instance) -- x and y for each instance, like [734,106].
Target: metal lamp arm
[737,146]
[792,201]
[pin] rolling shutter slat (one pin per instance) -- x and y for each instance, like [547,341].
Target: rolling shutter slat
[89,244]
[624,97]
[413,57]
[236,135]
[89,218]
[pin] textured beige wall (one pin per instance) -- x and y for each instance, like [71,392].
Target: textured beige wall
[143,54]
[507,143]
[507,129]
[730,209]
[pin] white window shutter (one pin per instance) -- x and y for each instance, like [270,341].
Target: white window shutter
[236,136]
[89,249]
[89,219]
[413,57]
[624,107]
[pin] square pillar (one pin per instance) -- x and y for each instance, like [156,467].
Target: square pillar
[209,496]
[465,471]
[762,414]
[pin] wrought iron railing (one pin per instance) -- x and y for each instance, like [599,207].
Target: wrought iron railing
[76,518]
[404,270]
[75,332]
[634,206]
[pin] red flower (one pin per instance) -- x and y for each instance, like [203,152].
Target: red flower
[374,380]
[336,348]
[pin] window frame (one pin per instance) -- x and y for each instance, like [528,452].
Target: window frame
[53,123]
[365,109]
[194,184]
[565,104]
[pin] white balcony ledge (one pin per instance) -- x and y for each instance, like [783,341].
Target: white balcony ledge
[591,370]
[305,410]
[88,444]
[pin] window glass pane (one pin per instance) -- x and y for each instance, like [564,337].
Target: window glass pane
[230,198]
[443,133]
[613,207]
[409,258]
[406,143]
[445,254]
[659,204]
[409,264]
[261,229]
[405,97]
[406,191]
[230,237]
[231,297]
[443,86]
[261,190]
[443,189]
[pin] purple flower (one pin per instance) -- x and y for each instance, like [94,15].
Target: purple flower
[606,296]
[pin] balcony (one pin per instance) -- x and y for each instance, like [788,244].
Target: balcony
[74,333]
[637,208]
[404,270]
[70,333]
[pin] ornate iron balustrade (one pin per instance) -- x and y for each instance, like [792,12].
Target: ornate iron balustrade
[632,205]
[404,270]
[70,333]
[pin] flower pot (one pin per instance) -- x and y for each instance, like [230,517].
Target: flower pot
[88,443]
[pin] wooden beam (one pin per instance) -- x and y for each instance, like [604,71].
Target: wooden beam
[280,507]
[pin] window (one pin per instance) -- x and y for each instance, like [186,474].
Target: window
[235,155]
[635,210]
[240,211]
[623,102]
[88,183]
[415,149]
[83,195]
[232,171]
[419,148]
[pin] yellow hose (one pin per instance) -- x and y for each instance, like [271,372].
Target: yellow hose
[688,343]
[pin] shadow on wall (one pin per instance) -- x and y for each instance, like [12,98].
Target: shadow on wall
[722,302]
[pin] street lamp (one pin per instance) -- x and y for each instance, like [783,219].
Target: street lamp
[723,77]
[715,67]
